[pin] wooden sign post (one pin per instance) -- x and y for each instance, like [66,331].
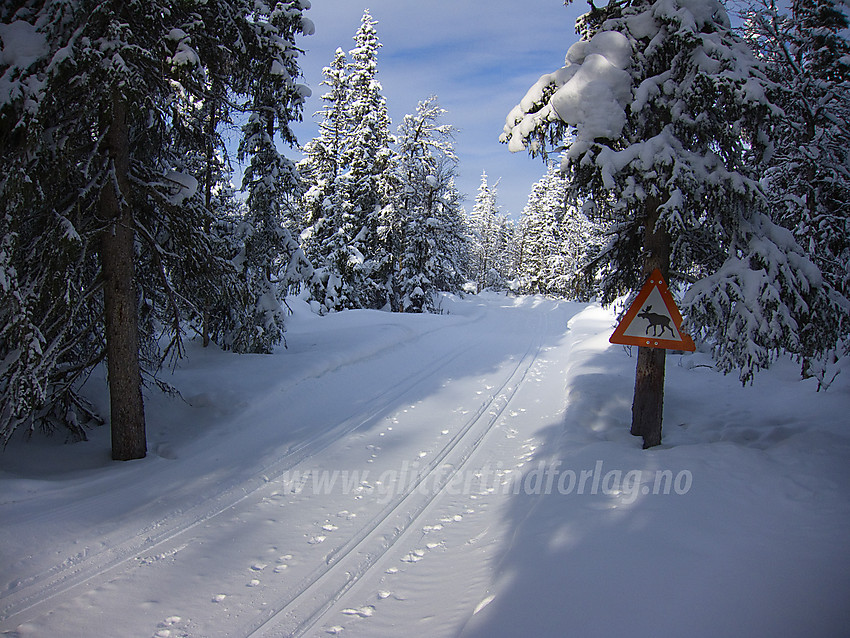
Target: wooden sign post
[654,324]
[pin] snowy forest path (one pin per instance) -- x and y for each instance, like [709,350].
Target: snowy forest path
[307,604]
[241,518]
[112,551]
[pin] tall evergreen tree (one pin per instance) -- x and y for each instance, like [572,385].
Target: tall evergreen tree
[370,171]
[110,52]
[663,112]
[493,239]
[537,226]
[327,211]
[350,190]
[557,239]
[428,238]
[453,256]
[272,258]
[102,220]
[808,175]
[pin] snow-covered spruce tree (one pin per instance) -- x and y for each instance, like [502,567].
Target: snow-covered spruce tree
[453,256]
[219,301]
[272,260]
[492,243]
[69,163]
[808,175]
[663,113]
[556,239]
[369,159]
[349,178]
[428,238]
[327,214]
[196,140]
[48,263]
[104,223]
[537,231]
[579,239]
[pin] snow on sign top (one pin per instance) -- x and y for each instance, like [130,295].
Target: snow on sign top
[653,320]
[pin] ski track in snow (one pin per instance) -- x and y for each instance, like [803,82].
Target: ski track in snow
[349,563]
[275,505]
[120,560]
[89,569]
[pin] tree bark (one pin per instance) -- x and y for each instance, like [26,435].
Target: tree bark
[648,402]
[212,123]
[120,304]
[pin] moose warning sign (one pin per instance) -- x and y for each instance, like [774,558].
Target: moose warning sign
[653,320]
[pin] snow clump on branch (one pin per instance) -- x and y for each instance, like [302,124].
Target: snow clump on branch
[590,92]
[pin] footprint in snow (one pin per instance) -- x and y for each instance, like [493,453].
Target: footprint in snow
[414,557]
[363,612]
[165,628]
[315,540]
[363,487]
[281,563]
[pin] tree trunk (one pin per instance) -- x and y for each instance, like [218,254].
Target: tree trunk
[212,123]
[119,293]
[648,402]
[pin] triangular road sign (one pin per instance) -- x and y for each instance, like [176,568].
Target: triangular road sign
[653,320]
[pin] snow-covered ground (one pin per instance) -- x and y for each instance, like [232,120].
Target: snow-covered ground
[466,474]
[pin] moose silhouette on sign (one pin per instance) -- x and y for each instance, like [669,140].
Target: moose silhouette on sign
[656,321]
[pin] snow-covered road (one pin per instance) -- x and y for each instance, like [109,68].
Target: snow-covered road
[463,474]
[320,462]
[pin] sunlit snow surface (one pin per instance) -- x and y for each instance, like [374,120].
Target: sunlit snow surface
[469,474]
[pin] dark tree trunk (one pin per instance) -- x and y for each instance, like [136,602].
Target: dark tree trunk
[648,403]
[119,293]
[212,123]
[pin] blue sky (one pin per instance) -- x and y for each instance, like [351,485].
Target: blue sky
[478,57]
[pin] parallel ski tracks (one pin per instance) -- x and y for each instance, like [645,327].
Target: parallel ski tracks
[305,606]
[37,592]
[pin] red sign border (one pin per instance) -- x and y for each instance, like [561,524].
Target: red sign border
[655,281]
